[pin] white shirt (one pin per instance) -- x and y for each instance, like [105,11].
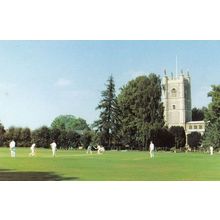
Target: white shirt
[33,146]
[151,146]
[12,144]
[53,146]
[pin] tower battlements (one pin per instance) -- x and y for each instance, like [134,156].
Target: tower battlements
[179,76]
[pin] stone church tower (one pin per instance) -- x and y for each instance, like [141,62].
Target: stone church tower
[176,96]
[177,99]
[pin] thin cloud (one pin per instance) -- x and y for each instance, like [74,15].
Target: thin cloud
[63,82]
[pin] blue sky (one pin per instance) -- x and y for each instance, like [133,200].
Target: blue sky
[43,79]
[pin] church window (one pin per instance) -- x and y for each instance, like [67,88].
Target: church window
[173,92]
[174,107]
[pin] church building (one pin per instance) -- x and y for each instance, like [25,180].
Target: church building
[177,102]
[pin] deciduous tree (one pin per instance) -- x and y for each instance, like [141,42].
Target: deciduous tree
[41,137]
[141,109]
[179,136]
[69,122]
[212,119]
[198,114]
[194,139]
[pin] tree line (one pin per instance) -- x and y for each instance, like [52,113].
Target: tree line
[66,130]
[129,120]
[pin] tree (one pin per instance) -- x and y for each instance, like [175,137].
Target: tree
[2,133]
[198,114]
[17,136]
[179,136]
[22,136]
[12,133]
[73,139]
[86,138]
[194,139]
[95,138]
[41,137]
[108,123]
[69,122]
[9,135]
[141,110]
[163,139]
[55,134]
[25,137]
[62,140]
[212,119]
[211,136]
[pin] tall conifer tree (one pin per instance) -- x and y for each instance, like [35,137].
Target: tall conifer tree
[108,123]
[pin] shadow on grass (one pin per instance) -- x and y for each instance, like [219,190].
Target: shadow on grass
[7,175]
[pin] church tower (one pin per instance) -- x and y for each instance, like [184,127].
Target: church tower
[177,99]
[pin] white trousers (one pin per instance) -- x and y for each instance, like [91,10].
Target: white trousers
[89,151]
[151,154]
[13,153]
[32,153]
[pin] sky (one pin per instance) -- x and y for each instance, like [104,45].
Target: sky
[40,80]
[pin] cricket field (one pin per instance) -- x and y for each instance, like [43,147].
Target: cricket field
[110,166]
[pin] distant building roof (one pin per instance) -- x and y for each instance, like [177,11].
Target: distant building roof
[195,122]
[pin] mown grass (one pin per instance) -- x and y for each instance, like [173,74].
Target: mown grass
[111,166]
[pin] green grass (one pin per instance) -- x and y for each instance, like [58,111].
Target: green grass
[126,166]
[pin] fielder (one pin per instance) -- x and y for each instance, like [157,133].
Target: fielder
[151,149]
[100,149]
[89,150]
[53,147]
[32,153]
[211,150]
[12,147]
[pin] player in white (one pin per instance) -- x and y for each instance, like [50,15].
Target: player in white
[12,146]
[53,147]
[89,149]
[211,150]
[100,149]
[32,153]
[151,149]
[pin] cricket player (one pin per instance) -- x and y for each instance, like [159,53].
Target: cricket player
[53,147]
[12,147]
[151,149]
[100,149]
[89,149]
[32,153]
[211,150]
